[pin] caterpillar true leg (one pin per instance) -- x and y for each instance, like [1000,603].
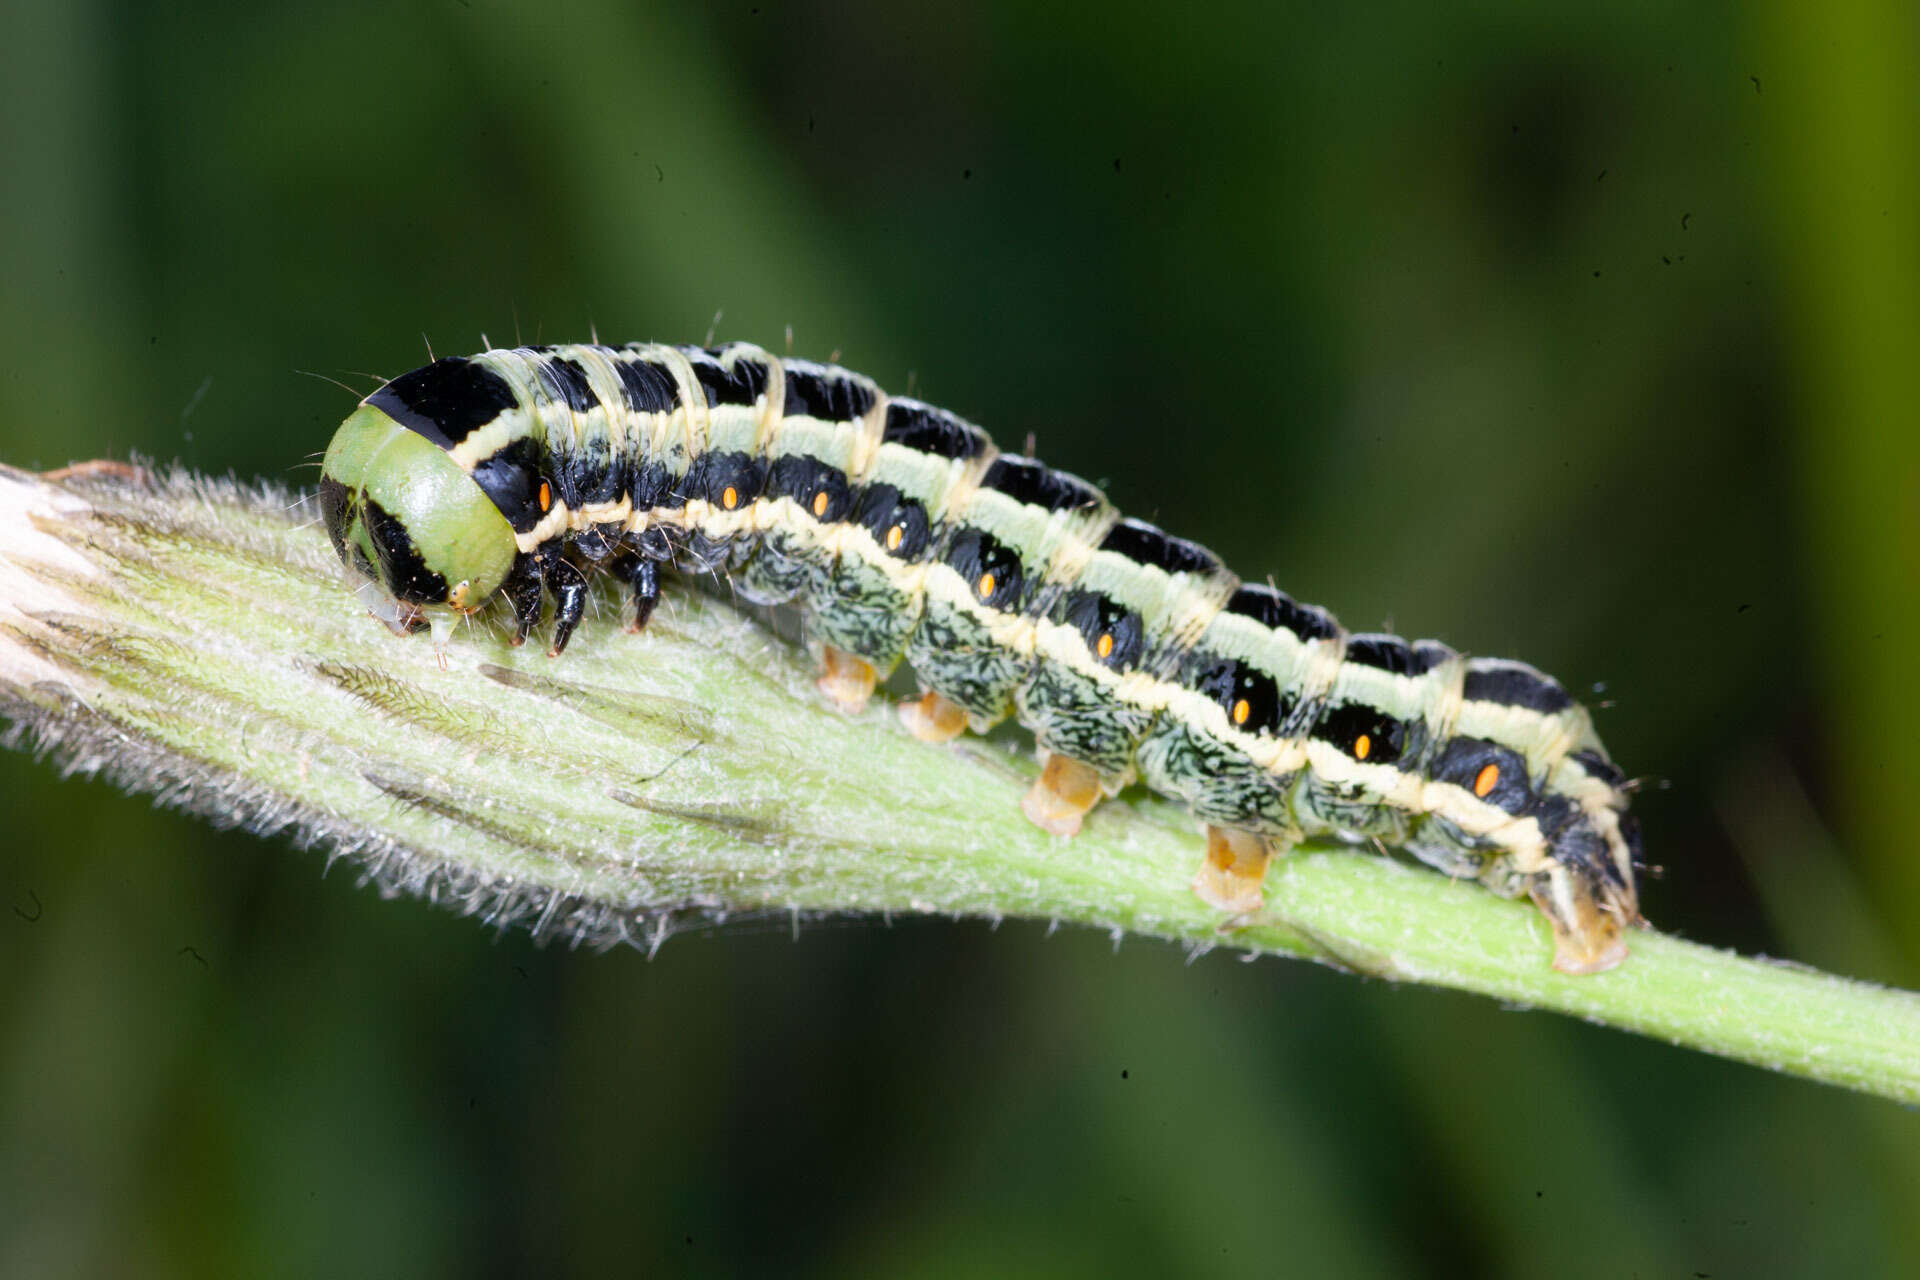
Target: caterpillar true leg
[1234,875]
[1062,795]
[932,718]
[846,679]
[569,588]
[523,590]
[644,579]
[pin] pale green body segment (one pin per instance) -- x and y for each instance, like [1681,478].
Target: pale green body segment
[1053,545]
[1229,776]
[1307,667]
[676,439]
[1080,706]
[1174,608]
[874,599]
[1380,801]
[800,538]
[1539,737]
[978,655]
[927,478]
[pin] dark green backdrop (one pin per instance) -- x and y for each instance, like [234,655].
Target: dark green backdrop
[1579,333]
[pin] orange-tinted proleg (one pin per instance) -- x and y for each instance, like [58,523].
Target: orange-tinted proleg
[846,679]
[932,718]
[1061,796]
[1235,871]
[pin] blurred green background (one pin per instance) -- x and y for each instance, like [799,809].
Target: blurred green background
[1581,333]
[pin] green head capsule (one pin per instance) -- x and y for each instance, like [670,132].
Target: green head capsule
[401,511]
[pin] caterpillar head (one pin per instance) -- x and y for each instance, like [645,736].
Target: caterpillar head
[403,513]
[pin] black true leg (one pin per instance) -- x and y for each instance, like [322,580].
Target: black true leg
[645,581]
[523,593]
[569,588]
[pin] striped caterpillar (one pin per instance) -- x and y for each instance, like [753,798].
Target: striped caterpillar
[1011,588]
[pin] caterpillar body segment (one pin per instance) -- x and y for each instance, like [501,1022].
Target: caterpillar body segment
[1110,641]
[1014,543]
[1011,588]
[923,464]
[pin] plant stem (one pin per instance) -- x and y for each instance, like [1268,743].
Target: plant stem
[198,640]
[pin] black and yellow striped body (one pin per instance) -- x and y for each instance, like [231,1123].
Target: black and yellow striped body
[1011,589]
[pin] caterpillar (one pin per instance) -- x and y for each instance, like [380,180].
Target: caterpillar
[1011,588]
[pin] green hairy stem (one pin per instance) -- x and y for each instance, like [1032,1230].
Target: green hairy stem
[199,640]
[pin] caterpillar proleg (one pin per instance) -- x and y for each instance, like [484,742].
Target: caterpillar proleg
[1011,588]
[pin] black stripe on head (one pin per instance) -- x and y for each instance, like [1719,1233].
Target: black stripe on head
[899,524]
[714,475]
[930,430]
[334,498]
[446,401]
[1391,653]
[1144,544]
[1039,485]
[1598,766]
[992,571]
[1363,732]
[822,491]
[741,384]
[1514,684]
[1495,773]
[511,477]
[1278,609]
[1104,625]
[649,387]
[567,382]
[401,568]
[831,395]
[1252,699]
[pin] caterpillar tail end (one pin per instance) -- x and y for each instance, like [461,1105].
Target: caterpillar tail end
[846,680]
[1589,921]
[1234,875]
[1061,796]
